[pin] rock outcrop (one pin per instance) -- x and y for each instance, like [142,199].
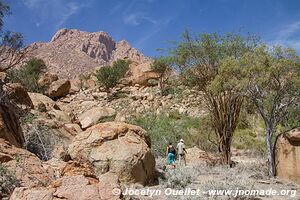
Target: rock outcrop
[41,101]
[15,102]
[18,95]
[93,116]
[59,88]
[10,128]
[27,168]
[46,79]
[287,155]
[76,187]
[73,52]
[140,73]
[116,147]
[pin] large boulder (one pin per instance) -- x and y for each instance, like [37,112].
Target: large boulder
[40,100]
[18,94]
[287,155]
[59,88]
[10,128]
[76,85]
[140,73]
[27,168]
[95,115]
[47,78]
[59,115]
[76,187]
[196,157]
[116,147]
[15,103]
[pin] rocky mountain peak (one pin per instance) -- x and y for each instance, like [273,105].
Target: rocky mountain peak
[72,52]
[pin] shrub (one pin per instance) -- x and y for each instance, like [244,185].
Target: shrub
[246,139]
[179,178]
[174,87]
[109,76]
[41,141]
[83,78]
[28,75]
[8,182]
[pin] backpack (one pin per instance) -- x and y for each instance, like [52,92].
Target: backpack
[172,150]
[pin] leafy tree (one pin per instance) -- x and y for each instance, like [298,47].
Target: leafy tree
[11,44]
[162,67]
[109,76]
[28,75]
[212,64]
[273,82]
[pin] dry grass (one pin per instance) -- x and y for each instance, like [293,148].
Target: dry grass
[247,174]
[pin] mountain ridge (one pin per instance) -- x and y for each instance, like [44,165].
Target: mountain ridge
[72,52]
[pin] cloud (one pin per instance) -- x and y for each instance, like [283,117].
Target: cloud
[71,9]
[287,35]
[139,43]
[289,29]
[116,8]
[56,12]
[137,18]
[32,3]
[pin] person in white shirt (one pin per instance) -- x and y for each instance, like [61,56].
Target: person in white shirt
[181,152]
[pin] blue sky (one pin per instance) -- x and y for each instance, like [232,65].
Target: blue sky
[151,24]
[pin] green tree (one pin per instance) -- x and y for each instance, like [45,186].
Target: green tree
[11,43]
[272,83]
[28,75]
[109,76]
[212,64]
[162,67]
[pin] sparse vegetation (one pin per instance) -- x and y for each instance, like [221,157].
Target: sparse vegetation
[41,141]
[162,67]
[28,75]
[109,76]
[166,128]
[8,182]
[83,78]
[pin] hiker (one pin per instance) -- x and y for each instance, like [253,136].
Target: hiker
[181,152]
[171,152]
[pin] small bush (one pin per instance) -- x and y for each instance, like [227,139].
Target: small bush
[41,141]
[28,75]
[83,78]
[174,87]
[8,182]
[109,76]
[179,178]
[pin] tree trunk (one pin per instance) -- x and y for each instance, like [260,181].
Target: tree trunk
[225,110]
[161,86]
[226,151]
[270,151]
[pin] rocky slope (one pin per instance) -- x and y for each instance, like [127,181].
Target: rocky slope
[73,52]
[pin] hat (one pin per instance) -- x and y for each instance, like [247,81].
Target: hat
[181,140]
